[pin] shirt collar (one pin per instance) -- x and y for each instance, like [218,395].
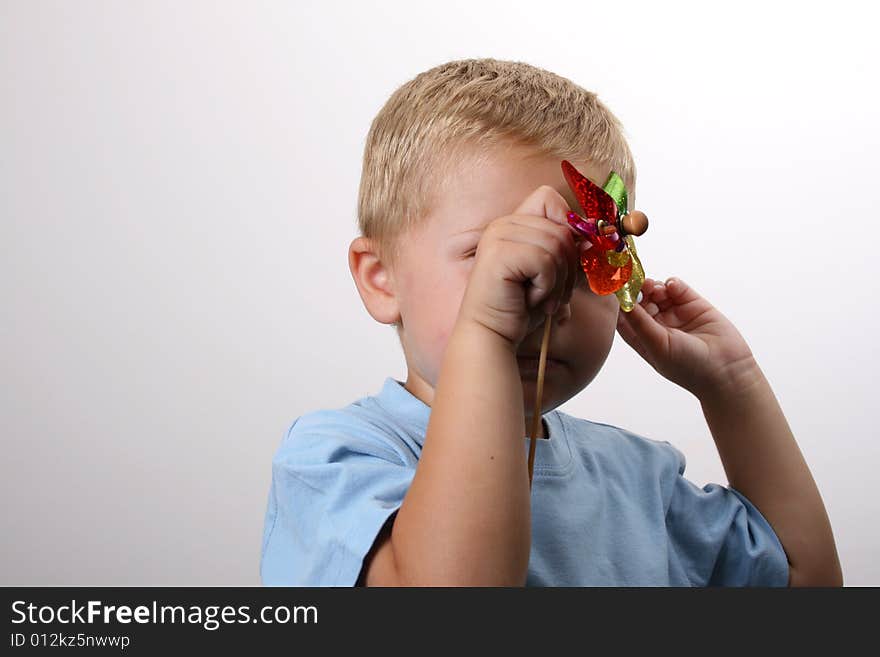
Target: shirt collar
[411,410]
[404,405]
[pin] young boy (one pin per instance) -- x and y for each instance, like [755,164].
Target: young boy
[465,248]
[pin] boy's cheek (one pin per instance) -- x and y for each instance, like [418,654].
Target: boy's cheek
[594,315]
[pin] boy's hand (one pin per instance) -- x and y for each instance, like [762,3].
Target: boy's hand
[692,344]
[526,267]
[687,340]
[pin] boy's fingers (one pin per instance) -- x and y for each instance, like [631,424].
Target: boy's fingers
[533,231]
[545,202]
[679,291]
[665,294]
[629,336]
[644,326]
[659,293]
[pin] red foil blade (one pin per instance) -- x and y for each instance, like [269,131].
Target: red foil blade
[603,276]
[595,201]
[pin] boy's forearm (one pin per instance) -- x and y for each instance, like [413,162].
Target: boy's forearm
[762,460]
[466,517]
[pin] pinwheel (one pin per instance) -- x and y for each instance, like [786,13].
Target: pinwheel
[610,261]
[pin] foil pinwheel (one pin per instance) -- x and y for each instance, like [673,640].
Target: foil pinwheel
[611,263]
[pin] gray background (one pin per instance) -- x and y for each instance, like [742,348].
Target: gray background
[178,184]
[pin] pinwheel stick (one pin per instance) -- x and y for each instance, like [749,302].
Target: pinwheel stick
[536,416]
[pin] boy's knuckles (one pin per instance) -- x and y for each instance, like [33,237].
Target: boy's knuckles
[564,233]
[491,232]
[560,255]
[550,196]
[534,201]
[551,260]
[544,201]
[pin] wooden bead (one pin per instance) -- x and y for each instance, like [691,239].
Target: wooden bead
[635,223]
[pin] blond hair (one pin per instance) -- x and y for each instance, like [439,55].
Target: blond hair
[461,107]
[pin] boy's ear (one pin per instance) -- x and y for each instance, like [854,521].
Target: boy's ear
[374,281]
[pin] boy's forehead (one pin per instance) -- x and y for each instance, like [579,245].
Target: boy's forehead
[491,187]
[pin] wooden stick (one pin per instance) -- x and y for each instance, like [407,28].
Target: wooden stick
[536,416]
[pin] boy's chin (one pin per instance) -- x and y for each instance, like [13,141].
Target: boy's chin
[549,395]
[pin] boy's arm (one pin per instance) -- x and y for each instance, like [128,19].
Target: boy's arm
[763,462]
[692,344]
[466,519]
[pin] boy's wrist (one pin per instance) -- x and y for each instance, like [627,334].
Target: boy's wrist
[472,330]
[735,382]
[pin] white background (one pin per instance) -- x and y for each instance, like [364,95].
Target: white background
[178,185]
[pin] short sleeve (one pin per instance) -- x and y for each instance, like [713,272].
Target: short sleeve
[335,482]
[719,538]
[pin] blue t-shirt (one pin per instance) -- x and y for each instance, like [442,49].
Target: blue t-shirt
[609,507]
